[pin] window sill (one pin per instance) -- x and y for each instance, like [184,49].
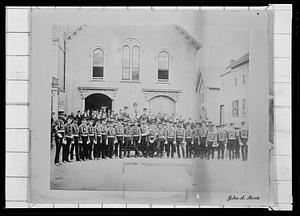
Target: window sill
[129,81]
[162,82]
[97,80]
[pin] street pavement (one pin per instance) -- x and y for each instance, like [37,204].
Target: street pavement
[150,174]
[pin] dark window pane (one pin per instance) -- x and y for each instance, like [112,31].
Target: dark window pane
[135,74]
[97,72]
[163,74]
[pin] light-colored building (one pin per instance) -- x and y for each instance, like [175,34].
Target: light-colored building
[136,66]
[234,91]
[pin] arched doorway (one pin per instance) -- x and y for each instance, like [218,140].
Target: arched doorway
[96,101]
[162,104]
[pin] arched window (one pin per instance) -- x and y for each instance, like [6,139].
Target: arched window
[131,60]
[135,63]
[163,66]
[126,63]
[98,63]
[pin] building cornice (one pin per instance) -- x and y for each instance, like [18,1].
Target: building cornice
[187,37]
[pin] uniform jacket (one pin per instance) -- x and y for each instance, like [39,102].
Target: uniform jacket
[68,130]
[203,131]
[221,136]
[75,129]
[83,130]
[171,132]
[243,133]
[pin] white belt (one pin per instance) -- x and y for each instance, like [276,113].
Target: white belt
[188,137]
[144,134]
[110,136]
[92,134]
[76,135]
[84,135]
[103,133]
[231,138]
[120,135]
[171,137]
[179,137]
[127,135]
[99,135]
[161,137]
[61,131]
[151,136]
[68,136]
[244,137]
[209,140]
[136,135]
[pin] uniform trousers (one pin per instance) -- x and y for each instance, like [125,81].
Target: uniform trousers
[66,149]
[145,145]
[96,151]
[58,143]
[76,145]
[170,147]
[202,147]
[110,146]
[180,147]
[237,149]
[244,148]
[82,147]
[151,147]
[159,147]
[188,147]
[221,149]
[103,146]
[90,147]
[210,150]
[127,141]
[136,145]
[230,148]
[118,146]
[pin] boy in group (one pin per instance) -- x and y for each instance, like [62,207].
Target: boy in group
[127,137]
[160,140]
[75,133]
[104,132]
[231,140]
[136,137]
[221,139]
[243,134]
[188,140]
[152,138]
[83,131]
[96,152]
[144,137]
[111,136]
[180,140]
[69,138]
[120,139]
[203,135]
[211,139]
[196,139]
[91,139]
[170,136]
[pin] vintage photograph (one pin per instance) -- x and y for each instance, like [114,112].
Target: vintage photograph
[149,107]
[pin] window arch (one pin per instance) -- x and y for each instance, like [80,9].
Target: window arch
[163,66]
[131,60]
[98,63]
[126,63]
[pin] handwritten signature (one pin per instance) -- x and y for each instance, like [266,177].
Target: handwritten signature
[242,197]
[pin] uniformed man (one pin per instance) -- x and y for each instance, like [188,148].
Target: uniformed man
[98,136]
[189,140]
[161,137]
[125,113]
[69,138]
[136,137]
[221,139]
[237,143]
[120,139]
[91,139]
[180,139]
[111,136]
[196,140]
[210,141]
[144,137]
[144,117]
[104,142]
[83,131]
[58,130]
[75,133]
[152,138]
[243,135]
[231,141]
[170,137]
[127,137]
[203,136]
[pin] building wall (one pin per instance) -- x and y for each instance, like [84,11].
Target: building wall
[152,40]
[213,104]
[230,92]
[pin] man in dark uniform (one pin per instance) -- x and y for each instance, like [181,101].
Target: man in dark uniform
[221,139]
[91,139]
[211,139]
[180,133]
[231,140]
[237,147]
[170,136]
[125,114]
[161,137]
[69,138]
[136,137]
[59,131]
[97,144]
[83,131]
[243,135]
[75,132]
[111,136]
[203,135]
[120,139]
[127,137]
[188,140]
[144,137]
[152,138]
[104,142]
[196,140]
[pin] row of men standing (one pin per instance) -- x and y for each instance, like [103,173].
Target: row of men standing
[99,138]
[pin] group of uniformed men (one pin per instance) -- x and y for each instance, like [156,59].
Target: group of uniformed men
[102,138]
